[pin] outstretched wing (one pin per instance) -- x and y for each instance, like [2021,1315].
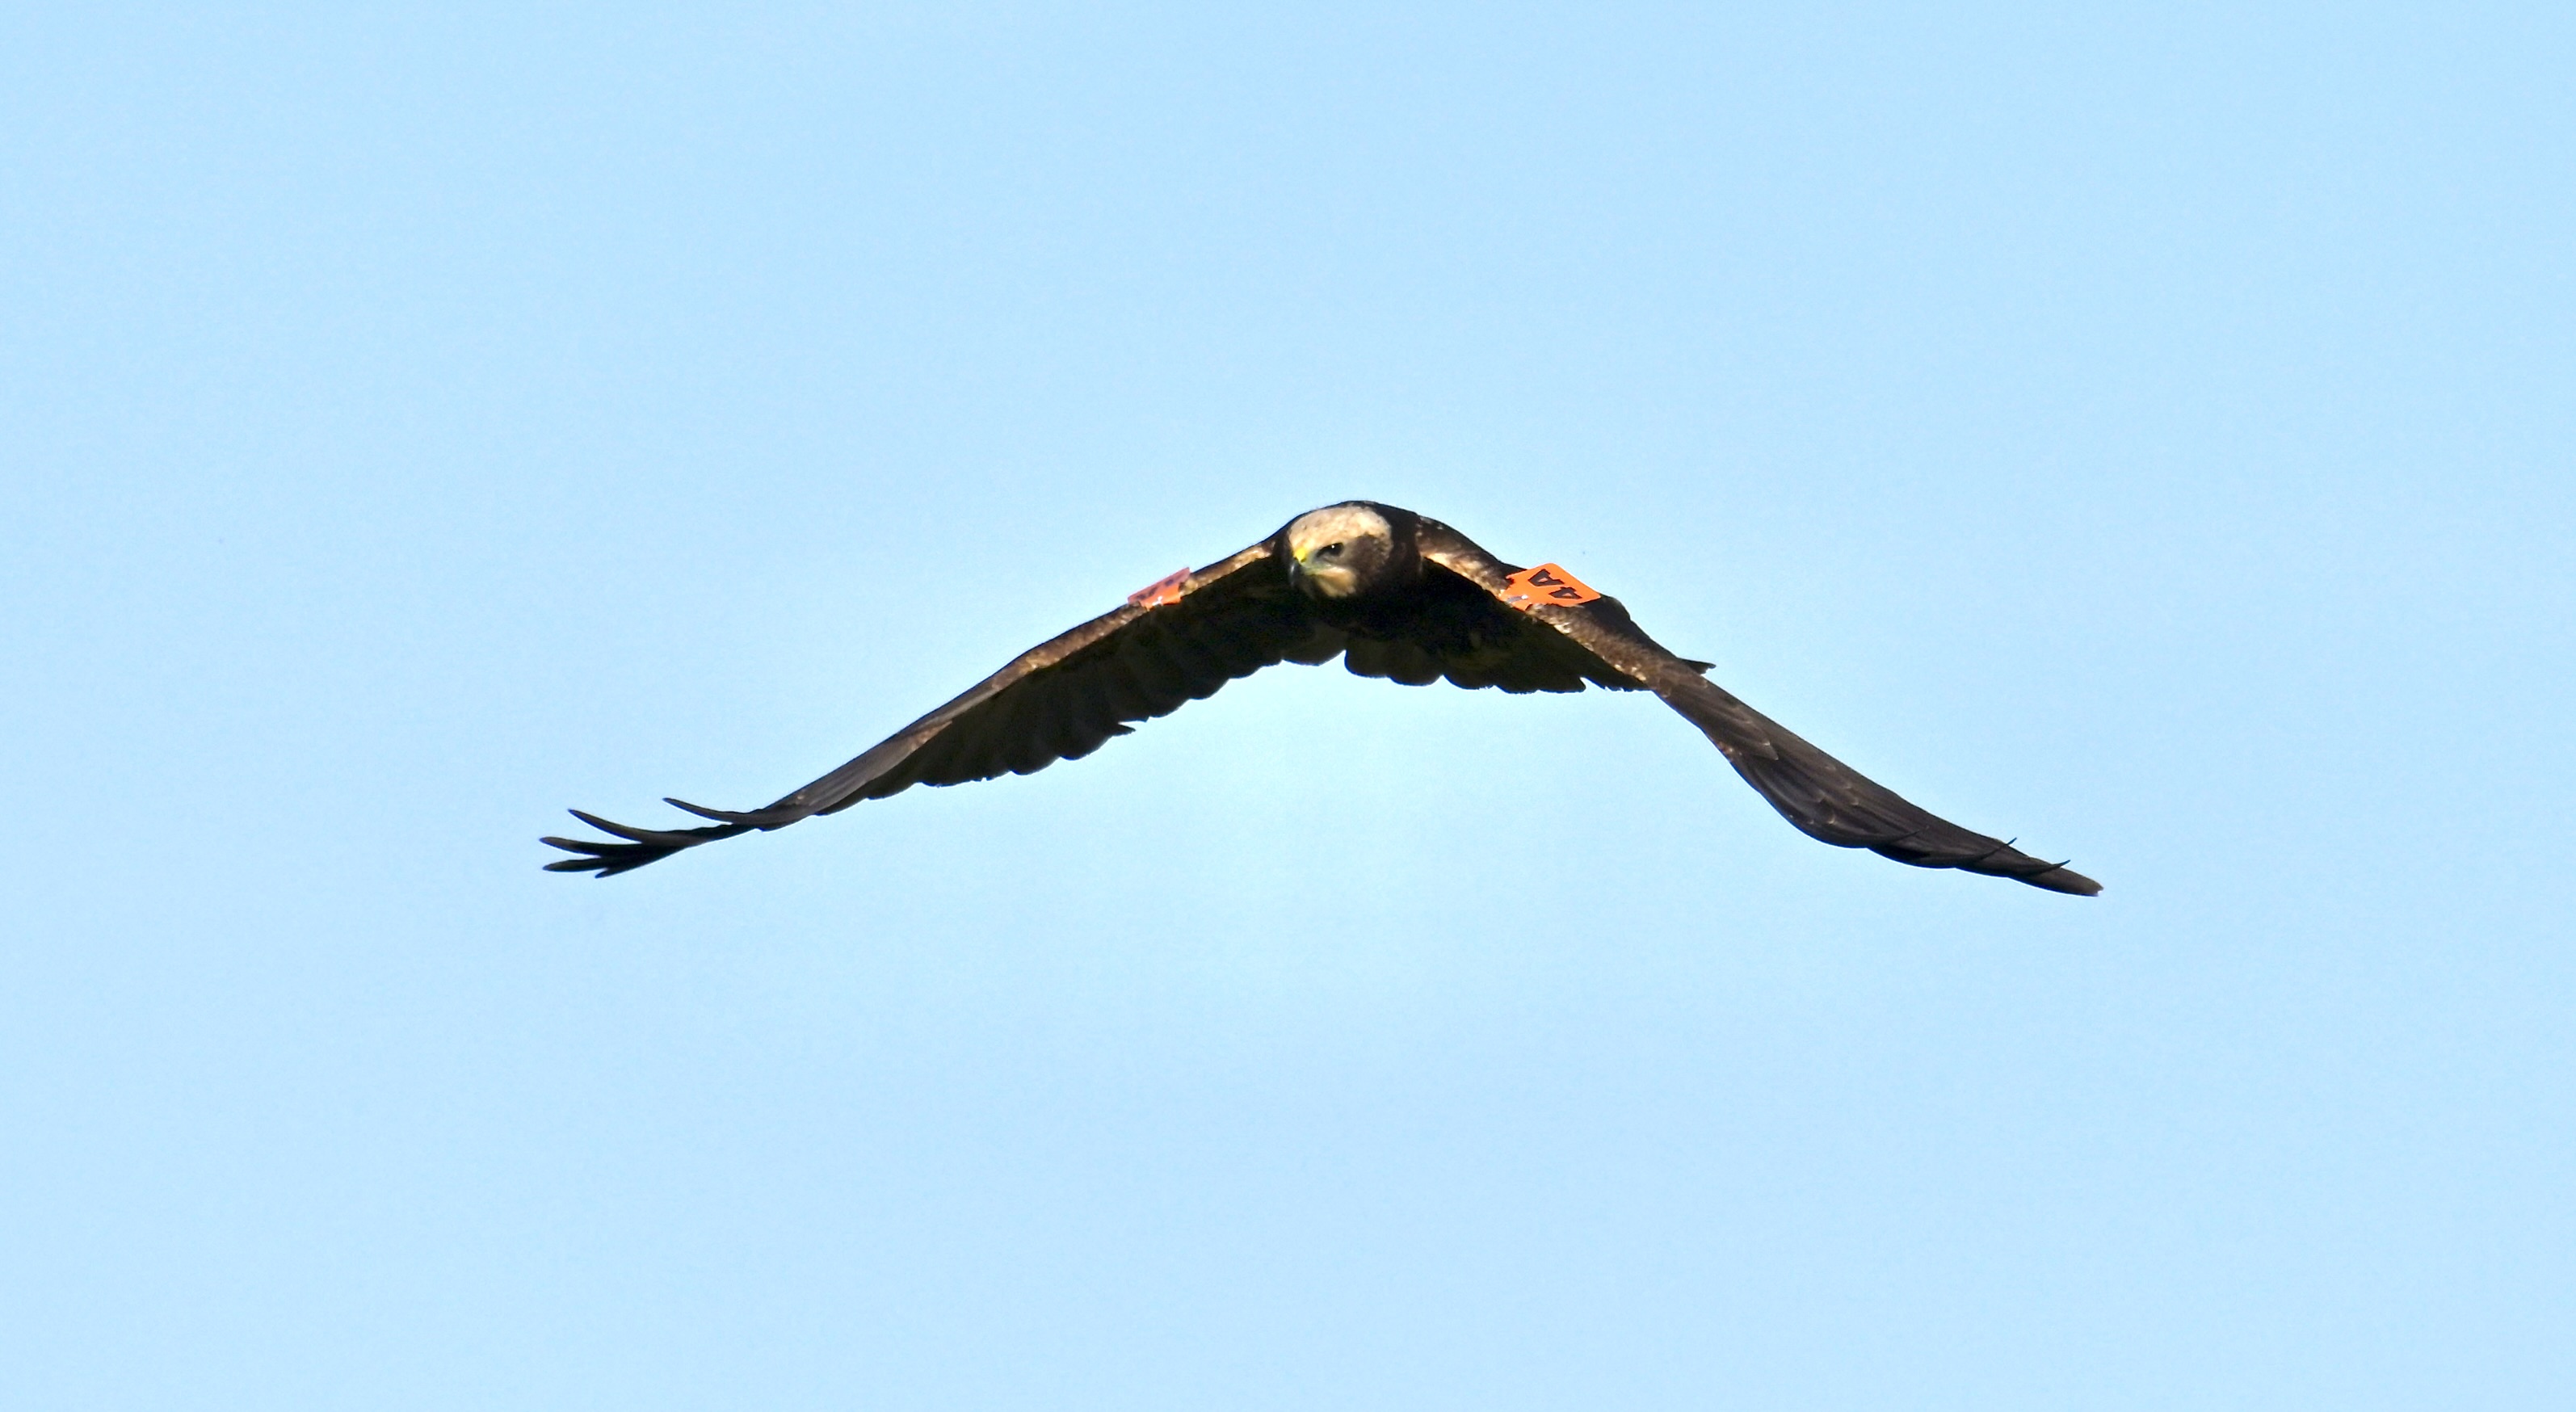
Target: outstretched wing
[1177,641]
[1824,797]
[1451,629]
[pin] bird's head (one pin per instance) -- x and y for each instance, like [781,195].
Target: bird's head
[1340,550]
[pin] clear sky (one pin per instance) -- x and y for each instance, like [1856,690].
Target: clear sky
[2145,430]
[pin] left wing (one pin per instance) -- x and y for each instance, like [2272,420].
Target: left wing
[1825,798]
[1177,641]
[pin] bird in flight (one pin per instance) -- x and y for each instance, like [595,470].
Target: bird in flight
[1394,595]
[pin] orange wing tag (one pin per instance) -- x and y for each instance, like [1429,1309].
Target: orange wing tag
[1162,591]
[1548,583]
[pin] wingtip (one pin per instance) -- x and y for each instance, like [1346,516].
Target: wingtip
[2066,880]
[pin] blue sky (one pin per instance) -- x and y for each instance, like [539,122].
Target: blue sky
[2145,431]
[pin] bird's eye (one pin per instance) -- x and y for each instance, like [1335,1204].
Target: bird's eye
[1333,548]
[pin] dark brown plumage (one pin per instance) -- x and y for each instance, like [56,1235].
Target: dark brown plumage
[1394,595]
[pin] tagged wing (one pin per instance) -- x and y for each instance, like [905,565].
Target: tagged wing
[1825,798]
[1057,701]
[1458,632]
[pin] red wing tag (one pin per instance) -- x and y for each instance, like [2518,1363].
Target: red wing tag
[1162,591]
[1548,583]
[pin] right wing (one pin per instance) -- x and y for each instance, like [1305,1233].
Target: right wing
[1825,798]
[1060,700]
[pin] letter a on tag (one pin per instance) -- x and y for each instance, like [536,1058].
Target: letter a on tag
[1548,583]
[1162,591]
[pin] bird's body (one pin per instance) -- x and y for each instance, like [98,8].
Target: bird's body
[1394,595]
